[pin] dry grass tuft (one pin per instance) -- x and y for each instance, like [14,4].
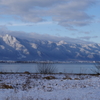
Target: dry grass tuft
[49,77]
[4,86]
[26,72]
[76,79]
[67,78]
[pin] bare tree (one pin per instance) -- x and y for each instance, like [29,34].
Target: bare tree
[97,66]
[46,68]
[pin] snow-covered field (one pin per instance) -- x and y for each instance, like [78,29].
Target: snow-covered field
[49,87]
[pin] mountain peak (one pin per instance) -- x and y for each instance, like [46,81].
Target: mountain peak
[8,39]
[61,42]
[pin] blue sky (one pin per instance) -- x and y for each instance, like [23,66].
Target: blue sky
[78,19]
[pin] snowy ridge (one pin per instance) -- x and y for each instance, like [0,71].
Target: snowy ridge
[12,48]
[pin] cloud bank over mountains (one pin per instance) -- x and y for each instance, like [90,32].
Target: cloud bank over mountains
[44,37]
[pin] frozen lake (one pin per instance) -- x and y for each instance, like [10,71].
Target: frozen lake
[60,68]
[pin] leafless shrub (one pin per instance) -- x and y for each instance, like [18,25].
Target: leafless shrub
[46,68]
[97,66]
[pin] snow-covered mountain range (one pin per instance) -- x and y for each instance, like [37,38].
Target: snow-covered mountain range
[12,48]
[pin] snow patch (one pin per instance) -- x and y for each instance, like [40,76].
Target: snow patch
[2,47]
[90,56]
[39,53]
[61,42]
[34,45]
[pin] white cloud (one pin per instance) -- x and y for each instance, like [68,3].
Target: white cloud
[25,24]
[68,13]
[87,37]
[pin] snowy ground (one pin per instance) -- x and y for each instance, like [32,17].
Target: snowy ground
[49,87]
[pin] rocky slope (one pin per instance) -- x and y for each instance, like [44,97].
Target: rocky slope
[12,48]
